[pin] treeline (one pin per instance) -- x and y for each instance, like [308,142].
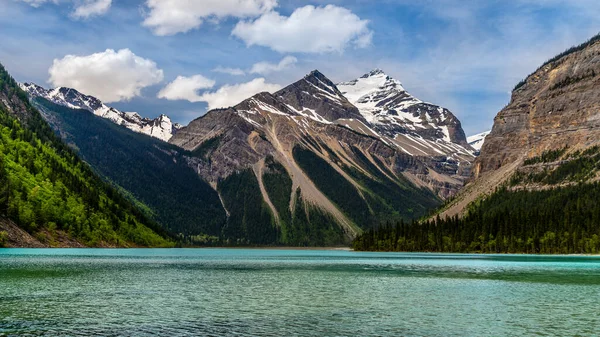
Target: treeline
[576,167]
[252,222]
[546,157]
[45,187]
[563,220]
[567,52]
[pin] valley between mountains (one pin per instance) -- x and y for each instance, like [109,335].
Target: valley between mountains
[313,164]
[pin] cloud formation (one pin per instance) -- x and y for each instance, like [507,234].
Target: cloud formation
[37,3]
[186,88]
[265,68]
[169,17]
[83,9]
[308,29]
[88,8]
[229,71]
[111,76]
[229,95]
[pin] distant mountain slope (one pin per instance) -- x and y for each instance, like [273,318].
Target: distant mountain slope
[47,191]
[305,156]
[153,172]
[476,141]
[160,127]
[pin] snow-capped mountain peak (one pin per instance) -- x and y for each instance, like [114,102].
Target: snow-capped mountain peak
[365,88]
[476,141]
[160,127]
[383,102]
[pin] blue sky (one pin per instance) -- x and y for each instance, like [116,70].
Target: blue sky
[463,55]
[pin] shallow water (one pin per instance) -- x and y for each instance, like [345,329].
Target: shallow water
[222,292]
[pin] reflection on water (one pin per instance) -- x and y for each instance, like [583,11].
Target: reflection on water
[190,292]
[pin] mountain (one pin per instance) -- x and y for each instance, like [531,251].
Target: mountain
[535,186]
[49,197]
[302,166]
[554,110]
[160,127]
[476,141]
[415,127]
[305,166]
[152,173]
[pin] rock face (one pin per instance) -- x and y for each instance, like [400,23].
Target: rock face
[557,106]
[160,127]
[556,111]
[335,159]
[318,96]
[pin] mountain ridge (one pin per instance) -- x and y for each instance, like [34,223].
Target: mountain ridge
[160,127]
[310,130]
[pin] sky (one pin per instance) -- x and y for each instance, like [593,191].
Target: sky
[182,57]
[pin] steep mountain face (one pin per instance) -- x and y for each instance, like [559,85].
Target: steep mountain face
[557,106]
[416,127]
[160,127]
[49,197]
[152,173]
[305,156]
[548,134]
[476,141]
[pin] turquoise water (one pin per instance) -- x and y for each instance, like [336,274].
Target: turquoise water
[223,292]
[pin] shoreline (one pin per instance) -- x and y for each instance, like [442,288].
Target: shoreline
[216,247]
[341,249]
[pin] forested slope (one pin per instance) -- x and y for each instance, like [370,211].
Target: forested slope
[562,220]
[151,171]
[49,192]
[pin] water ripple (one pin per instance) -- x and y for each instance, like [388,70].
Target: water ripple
[220,292]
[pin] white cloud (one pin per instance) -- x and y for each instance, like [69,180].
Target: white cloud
[111,76]
[86,8]
[229,95]
[169,17]
[38,3]
[230,71]
[186,88]
[264,68]
[82,8]
[308,29]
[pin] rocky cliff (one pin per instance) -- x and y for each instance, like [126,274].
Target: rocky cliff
[557,106]
[553,117]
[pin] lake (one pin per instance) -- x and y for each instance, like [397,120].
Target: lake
[256,292]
